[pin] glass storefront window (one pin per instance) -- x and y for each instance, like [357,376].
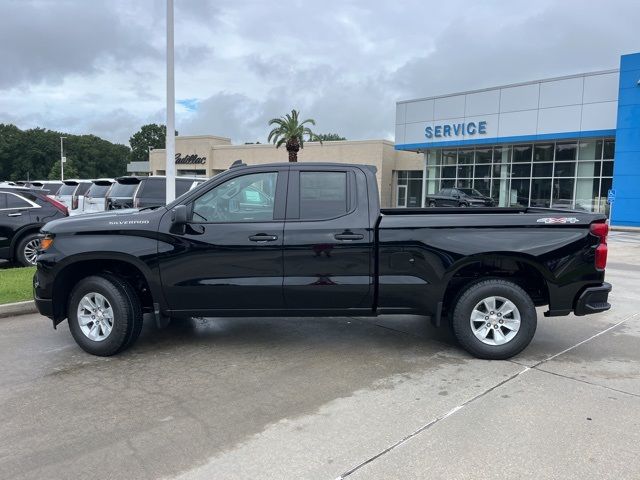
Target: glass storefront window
[587,190]
[542,169]
[465,156]
[569,174]
[448,172]
[465,171]
[483,155]
[409,188]
[566,151]
[565,169]
[482,172]
[543,152]
[522,153]
[519,193]
[449,157]
[590,150]
[521,170]
[589,169]
[609,149]
[540,192]
[562,193]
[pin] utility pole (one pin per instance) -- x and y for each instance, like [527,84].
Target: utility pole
[171,110]
[62,158]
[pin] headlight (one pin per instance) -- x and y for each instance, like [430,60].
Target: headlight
[46,242]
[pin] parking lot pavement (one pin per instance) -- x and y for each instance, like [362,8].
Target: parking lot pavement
[390,397]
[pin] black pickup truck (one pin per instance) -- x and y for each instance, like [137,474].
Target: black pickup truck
[310,239]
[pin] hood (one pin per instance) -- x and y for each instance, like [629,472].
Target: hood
[126,219]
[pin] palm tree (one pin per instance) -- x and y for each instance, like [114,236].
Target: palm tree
[291,132]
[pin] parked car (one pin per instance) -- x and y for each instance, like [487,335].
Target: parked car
[71,194]
[23,211]
[51,186]
[310,239]
[95,200]
[458,197]
[143,191]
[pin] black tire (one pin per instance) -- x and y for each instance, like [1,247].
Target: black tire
[475,293]
[21,256]
[432,204]
[127,314]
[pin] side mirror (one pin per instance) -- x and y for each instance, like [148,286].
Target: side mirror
[179,219]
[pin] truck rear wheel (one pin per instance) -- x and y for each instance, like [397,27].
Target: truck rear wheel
[105,315]
[494,319]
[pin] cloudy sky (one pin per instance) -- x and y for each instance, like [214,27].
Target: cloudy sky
[97,66]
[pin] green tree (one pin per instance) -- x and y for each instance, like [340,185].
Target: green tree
[330,137]
[70,170]
[291,132]
[32,154]
[150,135]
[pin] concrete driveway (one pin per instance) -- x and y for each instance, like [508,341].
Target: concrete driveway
[328,398]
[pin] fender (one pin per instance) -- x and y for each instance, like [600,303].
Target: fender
[35,227]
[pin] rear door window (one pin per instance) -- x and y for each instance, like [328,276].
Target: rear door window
[14,201]
[123,190]
[67,189]
[98,190]
[323,195]
[152,188]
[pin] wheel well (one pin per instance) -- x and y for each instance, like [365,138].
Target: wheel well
[519,272]
[69,277]
[18,238]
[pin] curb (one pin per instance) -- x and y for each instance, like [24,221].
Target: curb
[625,229]
[18,308]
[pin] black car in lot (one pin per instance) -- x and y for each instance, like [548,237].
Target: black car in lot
[145,191]
[23,212]
[310,239]
[459,197]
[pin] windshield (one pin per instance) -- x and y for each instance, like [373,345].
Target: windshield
[98,191]
[472,192]
[123,190]
[67,189]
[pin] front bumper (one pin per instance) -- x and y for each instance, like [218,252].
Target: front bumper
[44,305]
[593,300]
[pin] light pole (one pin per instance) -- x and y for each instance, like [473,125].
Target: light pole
[62,159]
[170,169]
[149,148]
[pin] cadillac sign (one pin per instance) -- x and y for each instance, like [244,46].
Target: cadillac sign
[192,159]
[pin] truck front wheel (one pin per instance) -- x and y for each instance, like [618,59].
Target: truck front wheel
[105,315]
[494,319]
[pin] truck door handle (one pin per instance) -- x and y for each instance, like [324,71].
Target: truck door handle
[263,237]
[348,236]
[14,215]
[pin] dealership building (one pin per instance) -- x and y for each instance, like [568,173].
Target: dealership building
[568,142]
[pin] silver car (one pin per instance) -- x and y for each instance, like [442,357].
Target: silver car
[95,200]
[71,194]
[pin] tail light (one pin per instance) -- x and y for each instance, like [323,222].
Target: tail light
[56,204]
[601,231]
[74,202]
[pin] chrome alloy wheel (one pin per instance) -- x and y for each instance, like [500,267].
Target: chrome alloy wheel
[31,250]
[495,320]
[95,317]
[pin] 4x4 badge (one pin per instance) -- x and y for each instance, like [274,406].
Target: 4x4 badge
[558,220]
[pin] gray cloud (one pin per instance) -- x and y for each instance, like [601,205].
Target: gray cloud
[99,66]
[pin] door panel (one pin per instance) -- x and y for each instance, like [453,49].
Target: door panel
[234,262]
[327,262]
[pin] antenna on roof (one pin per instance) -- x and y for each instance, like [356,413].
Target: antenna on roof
[238,163]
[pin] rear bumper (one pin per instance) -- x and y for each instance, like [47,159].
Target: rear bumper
[593,300]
